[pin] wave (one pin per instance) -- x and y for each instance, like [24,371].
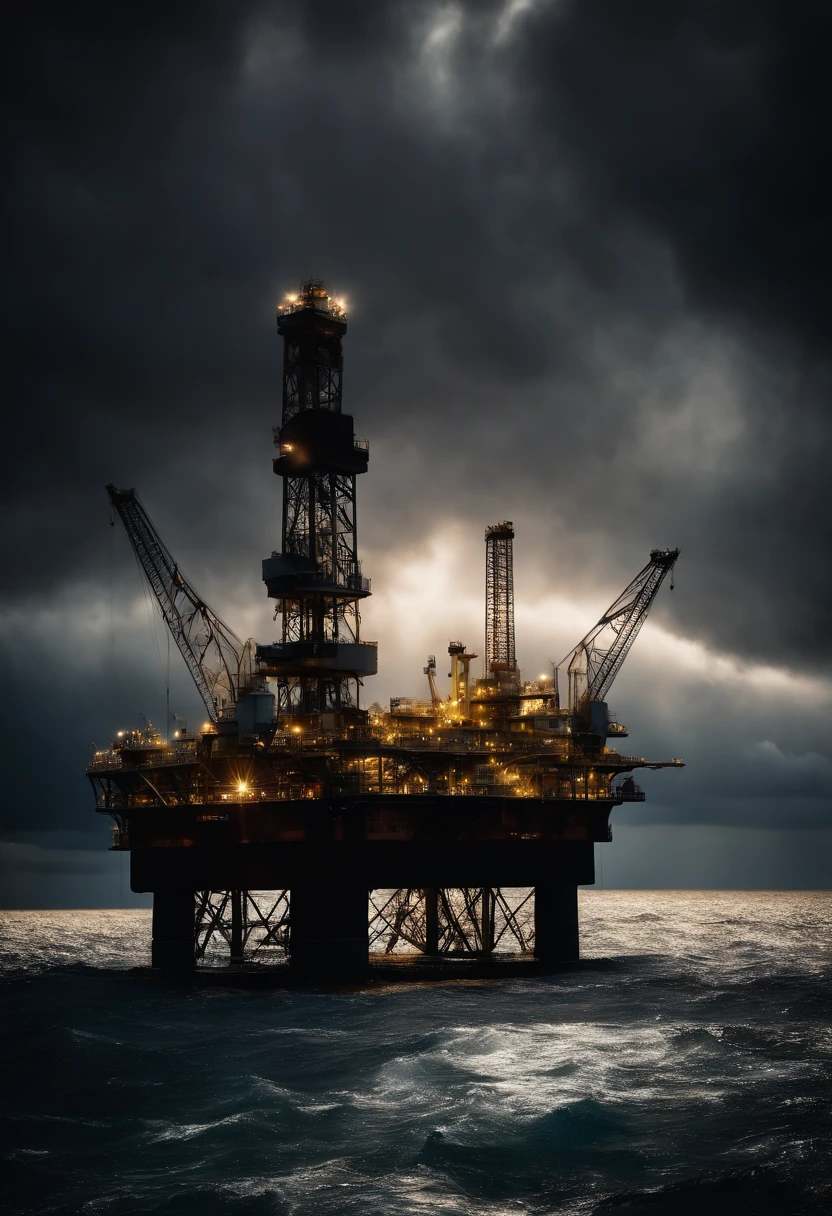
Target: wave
[761,1190]
[639,1083]
[537,1157]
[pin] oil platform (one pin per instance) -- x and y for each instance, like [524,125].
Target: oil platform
[296,825]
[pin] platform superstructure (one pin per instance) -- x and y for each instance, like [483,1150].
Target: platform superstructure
[297,823]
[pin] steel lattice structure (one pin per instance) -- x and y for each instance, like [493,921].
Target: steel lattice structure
[316,577]
[250,926]
[500,656]
[249,923]
[319,522]
[452,920]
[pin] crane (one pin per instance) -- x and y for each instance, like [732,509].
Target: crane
[597,659]
[430,672]
[219,662]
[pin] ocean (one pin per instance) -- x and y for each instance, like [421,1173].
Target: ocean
[683,1066]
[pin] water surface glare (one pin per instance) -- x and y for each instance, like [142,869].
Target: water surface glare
[683,1067]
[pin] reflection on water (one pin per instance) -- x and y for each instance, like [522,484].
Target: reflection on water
[685,1065]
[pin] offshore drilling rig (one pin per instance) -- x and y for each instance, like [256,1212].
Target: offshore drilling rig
[296,824]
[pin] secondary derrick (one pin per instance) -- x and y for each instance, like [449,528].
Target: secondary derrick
[297,824]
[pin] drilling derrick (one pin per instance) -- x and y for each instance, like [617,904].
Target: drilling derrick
[500,657]
[316,577]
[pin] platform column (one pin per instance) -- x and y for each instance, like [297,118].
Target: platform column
[556,937]
[173,930]
[328,927]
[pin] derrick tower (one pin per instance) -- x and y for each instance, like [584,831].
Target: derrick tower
[316,576]
[500,657]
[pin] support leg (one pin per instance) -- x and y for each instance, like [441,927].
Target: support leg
[237,898]
[328,927]
[556,937]
[431,895]
[487,920]
[173,930]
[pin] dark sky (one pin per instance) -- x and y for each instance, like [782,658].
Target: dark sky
[585,248]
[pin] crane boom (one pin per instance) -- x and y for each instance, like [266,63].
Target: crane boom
[430,672]
[216,658]
[597,659]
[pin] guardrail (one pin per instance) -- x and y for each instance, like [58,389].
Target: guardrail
[106,761]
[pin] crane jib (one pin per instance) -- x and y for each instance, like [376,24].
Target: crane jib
[592,665]
[212,652]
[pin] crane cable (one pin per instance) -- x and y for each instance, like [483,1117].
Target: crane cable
[167,692]
[148,603]
[151,621]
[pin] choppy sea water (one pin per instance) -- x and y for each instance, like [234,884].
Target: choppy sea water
[683,1067]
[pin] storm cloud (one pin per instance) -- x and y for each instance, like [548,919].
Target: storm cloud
[585,249]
